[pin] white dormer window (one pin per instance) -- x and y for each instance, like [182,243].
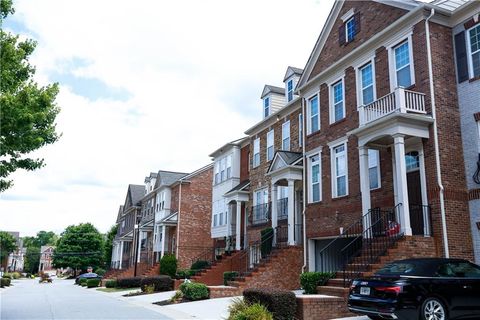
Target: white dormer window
[289,90]
[266,107]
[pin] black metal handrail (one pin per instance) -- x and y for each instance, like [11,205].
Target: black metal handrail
[365,249]
[282,233]
[282,208]
[208,254]
[261,213]
[420,219]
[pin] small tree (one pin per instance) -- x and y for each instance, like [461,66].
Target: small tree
[168,265]
[109,245]
[8,244]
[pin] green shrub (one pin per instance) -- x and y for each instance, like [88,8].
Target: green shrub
[199,265]
[159,283]
[133,282]
[7,275]
[177,296]
[310,280]
[16,275]
[185,273]
[82,280]
[93,283]
[111,283]
[282,304]
[267,241]
[100,271]
[5,282]
[237,306]
[168,265]
[229,276]
[194,291]
[254,312]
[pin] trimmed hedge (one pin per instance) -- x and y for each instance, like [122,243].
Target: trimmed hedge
[93,283]
[7,275]
[194,291]
[168,265]
[5,282]
[111,283]
[199,265]
[159,283]
[229,276]
[132,282]
[281,303]
[310,280]
[100,271]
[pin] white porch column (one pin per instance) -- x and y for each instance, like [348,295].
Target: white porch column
[365,187]
[238,225]
[140,237]
[423,187]
[120,256]
[228,220]
[274,212]
[291,212]
[164,229]
[401,174]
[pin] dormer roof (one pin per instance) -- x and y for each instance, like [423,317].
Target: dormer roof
[272,89]
[292,71]
[167,178]
[152,175]
[234,143]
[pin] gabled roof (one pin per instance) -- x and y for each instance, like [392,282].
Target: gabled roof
[450,5]
[242,186]
[291,71]
[234,143]
[327,29]
[120,213]
[135,193]
[167,178]
[153,175]
[284,159]
[272,89]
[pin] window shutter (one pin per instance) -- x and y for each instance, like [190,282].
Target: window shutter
[461,55]
[341,34]
[356,19]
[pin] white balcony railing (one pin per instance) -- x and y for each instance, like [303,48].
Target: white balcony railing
[400,100]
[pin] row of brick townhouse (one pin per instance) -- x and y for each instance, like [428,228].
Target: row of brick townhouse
[368,154]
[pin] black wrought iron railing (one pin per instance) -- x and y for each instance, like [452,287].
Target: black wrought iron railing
[364,240]
[282,234]
[207,254]
[420,219]
[261,213]
[282,209]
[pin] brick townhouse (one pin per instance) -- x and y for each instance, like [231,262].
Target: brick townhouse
[383,145]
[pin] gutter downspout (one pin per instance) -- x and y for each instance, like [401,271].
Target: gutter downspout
[435,136]
[305,246]
[178,217]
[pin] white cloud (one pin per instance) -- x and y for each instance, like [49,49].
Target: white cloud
[193,69]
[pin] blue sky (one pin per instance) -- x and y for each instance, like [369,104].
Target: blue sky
[144,89]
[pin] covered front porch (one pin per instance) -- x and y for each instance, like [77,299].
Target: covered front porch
[236,236]
[286,173]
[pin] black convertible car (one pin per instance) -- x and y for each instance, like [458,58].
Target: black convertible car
[427,289]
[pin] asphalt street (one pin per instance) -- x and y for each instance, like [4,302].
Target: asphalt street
[28,299]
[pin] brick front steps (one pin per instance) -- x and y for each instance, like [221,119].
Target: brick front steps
[213,275]
[143,270]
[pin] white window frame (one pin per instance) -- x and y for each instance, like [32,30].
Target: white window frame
[391,61]
[360,84]
[264,191]
[285,125]
[310,178]
[379,178]
[229,166]
[469,51]
[270,144]
[331,97]
[349,20]
[223,169]
[256,151]
[289,91]
[266,106]
[300,129]
[309,113]
[333,167]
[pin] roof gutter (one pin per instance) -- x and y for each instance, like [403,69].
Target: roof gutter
[435,135]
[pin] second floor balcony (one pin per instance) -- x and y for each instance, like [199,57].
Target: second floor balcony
[260,213]
[398,101]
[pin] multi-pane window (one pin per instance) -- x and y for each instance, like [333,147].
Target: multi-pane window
[300,129]
[339,171]
[338,110]
[350,29]
[402,65]
[229,166]
[286,136]
[315,188]
[374,168]
[314,114]
[474,39]
[217,172]
[223,163]
[366,83]
[266,107]
[270,148]
[289,90]
[256,152]
[412,160]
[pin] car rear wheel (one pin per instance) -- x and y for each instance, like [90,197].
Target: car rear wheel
[433,309]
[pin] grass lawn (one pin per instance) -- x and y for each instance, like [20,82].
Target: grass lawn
[117,289]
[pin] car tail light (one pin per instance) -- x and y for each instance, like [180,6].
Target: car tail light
[395,289]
